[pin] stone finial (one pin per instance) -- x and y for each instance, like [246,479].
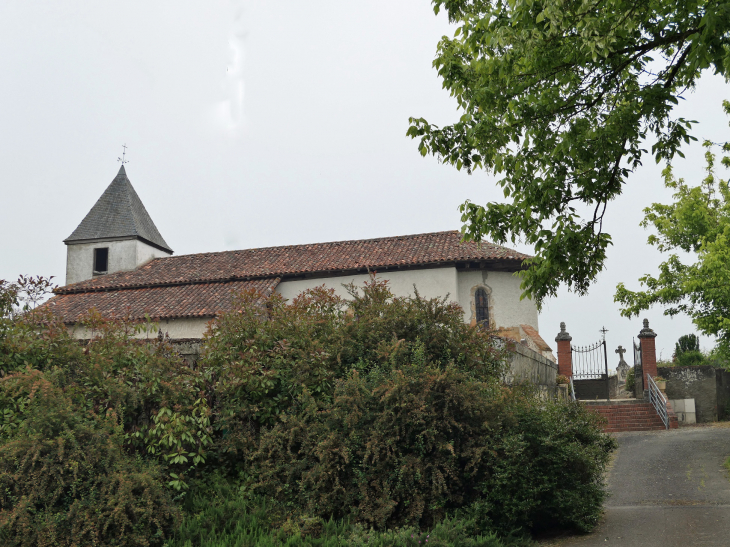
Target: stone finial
[646,332]
[562,335]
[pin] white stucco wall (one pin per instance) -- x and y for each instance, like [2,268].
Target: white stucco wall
[124,255]
[175,328]
[505,307]
[431,283]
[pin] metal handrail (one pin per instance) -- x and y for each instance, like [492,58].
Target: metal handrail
[572,388]
[659,400]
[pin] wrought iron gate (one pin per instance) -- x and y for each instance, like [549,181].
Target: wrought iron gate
[590,370]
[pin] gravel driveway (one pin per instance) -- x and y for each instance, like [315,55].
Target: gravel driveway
[668,488]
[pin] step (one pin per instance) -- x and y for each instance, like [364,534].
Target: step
[631,415]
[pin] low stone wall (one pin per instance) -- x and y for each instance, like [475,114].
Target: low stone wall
[698,383]
[526,365]
[188,349]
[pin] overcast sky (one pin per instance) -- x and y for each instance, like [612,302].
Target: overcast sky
[252,124]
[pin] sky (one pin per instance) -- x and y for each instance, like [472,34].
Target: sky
[252,124]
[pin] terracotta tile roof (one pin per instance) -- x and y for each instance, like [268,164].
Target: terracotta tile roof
[166,302]
[536,338]
[438,248]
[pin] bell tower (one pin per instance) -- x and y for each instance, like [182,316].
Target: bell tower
[116,235]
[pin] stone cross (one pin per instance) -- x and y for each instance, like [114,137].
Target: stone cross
[623,367]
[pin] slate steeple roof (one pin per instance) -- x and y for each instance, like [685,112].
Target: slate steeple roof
[119,213]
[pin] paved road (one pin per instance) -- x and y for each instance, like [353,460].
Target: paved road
[668,489]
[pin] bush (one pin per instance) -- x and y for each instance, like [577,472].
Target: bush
[66,480]
[415,445]
[262,368]
[545,468]
[345,416]
[631,380]
[687,351]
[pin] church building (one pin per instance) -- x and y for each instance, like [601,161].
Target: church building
[119,264]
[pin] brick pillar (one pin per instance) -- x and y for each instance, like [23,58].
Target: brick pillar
[648,352]
[565,356]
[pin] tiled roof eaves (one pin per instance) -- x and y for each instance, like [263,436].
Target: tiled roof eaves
[283,276]
[191,301]
[135,286]
[118,238]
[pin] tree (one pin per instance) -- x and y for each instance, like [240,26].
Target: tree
[687,351]
[558,97]
[698,222]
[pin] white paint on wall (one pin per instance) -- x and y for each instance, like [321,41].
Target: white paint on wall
[174,328]
[185,328]
[505,307]
[431,283]
[124,255]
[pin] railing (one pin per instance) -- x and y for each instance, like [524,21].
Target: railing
[572,388]
[657,398]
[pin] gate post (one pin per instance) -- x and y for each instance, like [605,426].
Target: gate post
[565,355]
[648,352]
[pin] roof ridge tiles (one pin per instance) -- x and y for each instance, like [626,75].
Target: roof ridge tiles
[340,242]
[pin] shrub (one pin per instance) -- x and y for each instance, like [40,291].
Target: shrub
[262,368]
[378,412]
[631,380]
[414,445]
[66,480]
[687,351]
[392,450]
[161,404]
[545,468]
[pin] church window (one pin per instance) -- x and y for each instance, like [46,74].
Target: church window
[101,260]
[482,307]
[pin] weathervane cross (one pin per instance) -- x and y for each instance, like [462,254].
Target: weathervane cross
[122,159]
[603,331]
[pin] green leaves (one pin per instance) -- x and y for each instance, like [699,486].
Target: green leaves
[697,222]
[557,97]
[180,439]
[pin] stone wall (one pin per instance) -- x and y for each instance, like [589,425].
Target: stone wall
[188,349]
[722,378]
[698,383]
[526,365]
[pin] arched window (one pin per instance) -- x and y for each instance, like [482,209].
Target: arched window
[482,307]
